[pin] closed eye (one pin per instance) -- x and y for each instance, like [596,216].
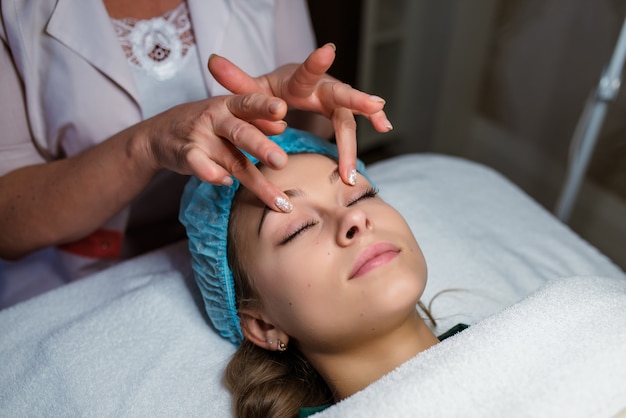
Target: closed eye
[299,230]
[367,194]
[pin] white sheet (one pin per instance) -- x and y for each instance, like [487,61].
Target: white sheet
[133,340]
[482,235]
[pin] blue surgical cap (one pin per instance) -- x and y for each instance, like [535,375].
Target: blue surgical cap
[205,210]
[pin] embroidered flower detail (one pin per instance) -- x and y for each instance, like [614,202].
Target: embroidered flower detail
[158,45]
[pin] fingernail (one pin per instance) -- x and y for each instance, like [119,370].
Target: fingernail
[276,159]
[283,204]
[212,55]
[332,45]
[352,177]
[275,107]
[377,99]
[227,181]
[388,125]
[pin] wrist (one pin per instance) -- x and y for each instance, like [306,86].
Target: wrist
[139,151]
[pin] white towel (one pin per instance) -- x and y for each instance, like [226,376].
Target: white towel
[132,342]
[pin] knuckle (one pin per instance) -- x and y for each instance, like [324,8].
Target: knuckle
[237,133]
[337,87]
[181,157]
[238,164]
[347,124]
[247,103]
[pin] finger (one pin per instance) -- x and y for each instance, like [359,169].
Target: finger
[202,166]
[306,76]
[233,78]
[265,190]
[380,122]
[252,178]
[264,111]
[257,106]
[216,170]
[270,128]
[335,94]
[247,137]
[345,134]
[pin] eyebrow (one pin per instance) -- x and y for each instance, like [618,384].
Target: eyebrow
[332,178]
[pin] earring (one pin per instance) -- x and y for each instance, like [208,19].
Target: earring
[281,346]
[270,342]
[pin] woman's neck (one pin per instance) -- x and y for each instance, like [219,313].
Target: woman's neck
[352,371]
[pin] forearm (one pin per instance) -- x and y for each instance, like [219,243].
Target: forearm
[61,201]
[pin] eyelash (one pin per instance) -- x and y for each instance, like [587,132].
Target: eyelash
[298,231]
[367,194]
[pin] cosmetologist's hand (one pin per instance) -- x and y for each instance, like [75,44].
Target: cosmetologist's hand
[306,86]
[201,138]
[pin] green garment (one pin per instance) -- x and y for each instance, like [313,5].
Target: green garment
[307,412]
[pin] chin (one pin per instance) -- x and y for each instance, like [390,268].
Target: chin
[405,289]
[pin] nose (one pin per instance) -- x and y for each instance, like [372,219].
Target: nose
[353,223]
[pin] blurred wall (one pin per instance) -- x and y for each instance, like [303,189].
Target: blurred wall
[545,58]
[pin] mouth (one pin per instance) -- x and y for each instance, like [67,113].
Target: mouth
[372,257]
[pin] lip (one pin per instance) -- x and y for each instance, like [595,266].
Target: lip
[372,257]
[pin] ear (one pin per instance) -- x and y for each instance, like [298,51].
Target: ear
[260,331]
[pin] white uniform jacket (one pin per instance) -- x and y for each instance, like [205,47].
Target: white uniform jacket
[65,83]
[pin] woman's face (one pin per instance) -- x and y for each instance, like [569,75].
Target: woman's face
[342,267]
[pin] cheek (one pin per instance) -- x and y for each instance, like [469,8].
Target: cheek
[294,276]
[298,289]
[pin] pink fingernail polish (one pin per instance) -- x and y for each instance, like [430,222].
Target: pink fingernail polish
[283,204]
